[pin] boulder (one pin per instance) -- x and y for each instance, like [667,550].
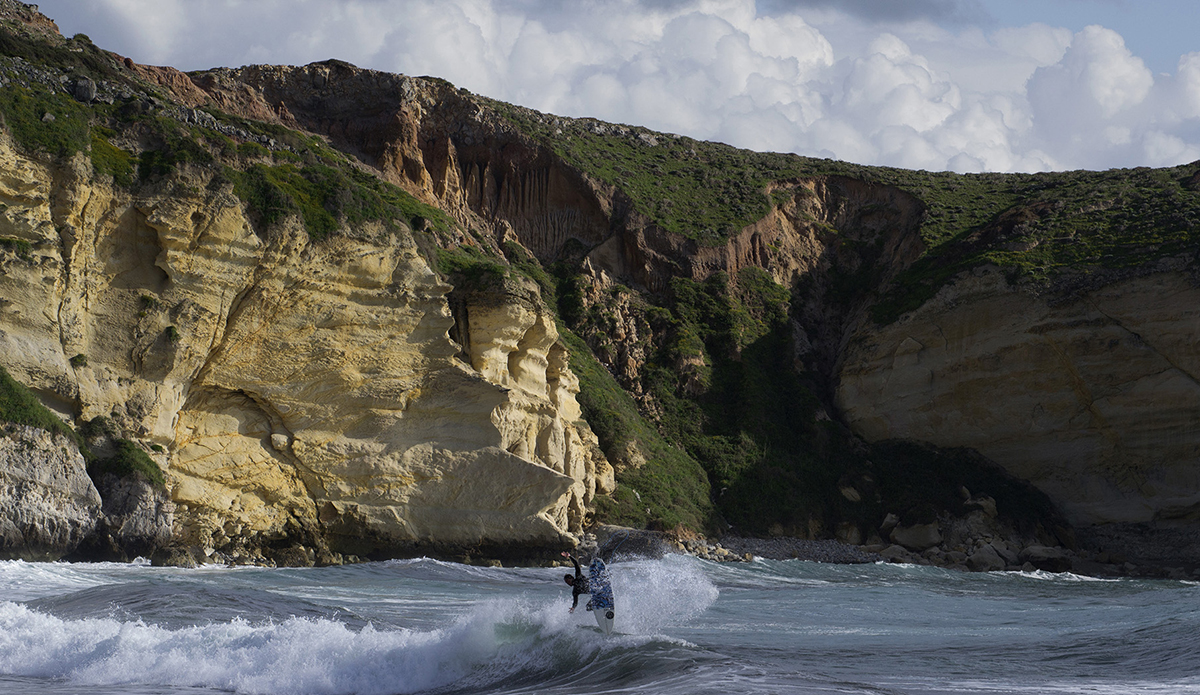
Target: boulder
[174,556]
[84,89]
[1046,558]
[896,553]
[985,559]
[917,537]
[1005,553]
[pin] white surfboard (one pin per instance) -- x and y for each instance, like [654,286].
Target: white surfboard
[602,604]
[604,618]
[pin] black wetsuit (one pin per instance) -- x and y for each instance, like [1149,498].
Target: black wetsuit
[580,586]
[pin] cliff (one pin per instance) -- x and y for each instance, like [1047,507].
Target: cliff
[355,313]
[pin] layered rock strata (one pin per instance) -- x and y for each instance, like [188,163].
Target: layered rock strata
[1093,400]
[300,392]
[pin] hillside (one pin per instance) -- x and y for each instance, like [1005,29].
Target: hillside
[354,313]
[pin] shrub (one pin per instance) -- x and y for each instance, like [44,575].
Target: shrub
[20,247]
[20,406]
[128,461]
[110,159]
[25,109]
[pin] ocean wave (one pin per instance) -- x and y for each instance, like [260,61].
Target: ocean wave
[91,635]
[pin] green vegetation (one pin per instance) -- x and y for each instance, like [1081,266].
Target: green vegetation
[671,489]
[76,56]
[108,159]
[171,334]
[175,144]
[45,121]
[128,461]
[474,269]
[325,197]
[79,361]
[751,421]
[20,406]
[1082,222]
[20,247]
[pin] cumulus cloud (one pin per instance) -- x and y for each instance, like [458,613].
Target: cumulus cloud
[917,84]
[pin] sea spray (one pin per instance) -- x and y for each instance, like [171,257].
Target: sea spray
[654,594]
[492,640]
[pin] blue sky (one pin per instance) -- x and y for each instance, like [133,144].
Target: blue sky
[1157,31]
[963,85]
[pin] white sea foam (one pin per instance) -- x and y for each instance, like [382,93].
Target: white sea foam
[292,656]
[23,581]
[492,639]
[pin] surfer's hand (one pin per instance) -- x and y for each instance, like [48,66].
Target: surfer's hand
[566,554]
[570,610]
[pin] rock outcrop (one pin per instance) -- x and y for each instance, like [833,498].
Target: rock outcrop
[48,505]
[302,393]
[1094,400]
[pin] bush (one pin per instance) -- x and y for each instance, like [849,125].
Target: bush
[22,248]
[25,110]
[110,159]
[19,405]
[128,461]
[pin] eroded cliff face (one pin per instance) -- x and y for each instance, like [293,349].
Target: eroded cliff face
[299,392]
[1093,400]
[47,501]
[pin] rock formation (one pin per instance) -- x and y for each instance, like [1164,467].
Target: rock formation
[48,505]
[302,393]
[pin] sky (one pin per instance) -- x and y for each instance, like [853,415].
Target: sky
[960,85]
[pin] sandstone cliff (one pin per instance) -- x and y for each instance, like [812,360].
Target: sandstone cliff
[1093,400]
[300,392]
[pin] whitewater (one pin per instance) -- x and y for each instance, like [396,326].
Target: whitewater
[686,627]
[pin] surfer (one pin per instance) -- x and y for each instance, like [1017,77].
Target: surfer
[578,583]
[598,585]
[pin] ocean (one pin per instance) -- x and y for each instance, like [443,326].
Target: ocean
[686,627]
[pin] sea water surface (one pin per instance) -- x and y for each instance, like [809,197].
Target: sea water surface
[686,627]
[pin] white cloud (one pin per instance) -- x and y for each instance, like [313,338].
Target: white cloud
[822,82]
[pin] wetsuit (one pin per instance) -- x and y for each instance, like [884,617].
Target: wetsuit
[580,586]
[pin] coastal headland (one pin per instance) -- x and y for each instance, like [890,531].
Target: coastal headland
[318,314]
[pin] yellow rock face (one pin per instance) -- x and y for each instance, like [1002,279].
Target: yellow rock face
[292,385]
[1094,401]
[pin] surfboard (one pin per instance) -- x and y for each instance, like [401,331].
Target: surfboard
[601,604]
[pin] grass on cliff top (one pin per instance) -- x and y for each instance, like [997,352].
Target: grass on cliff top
[707,191]
[77,55]
[1066,225]
[304,176]
[25,113]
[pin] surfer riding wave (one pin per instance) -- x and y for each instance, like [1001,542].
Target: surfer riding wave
[596,584]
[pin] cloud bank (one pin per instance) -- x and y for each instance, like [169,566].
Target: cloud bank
[926,89]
